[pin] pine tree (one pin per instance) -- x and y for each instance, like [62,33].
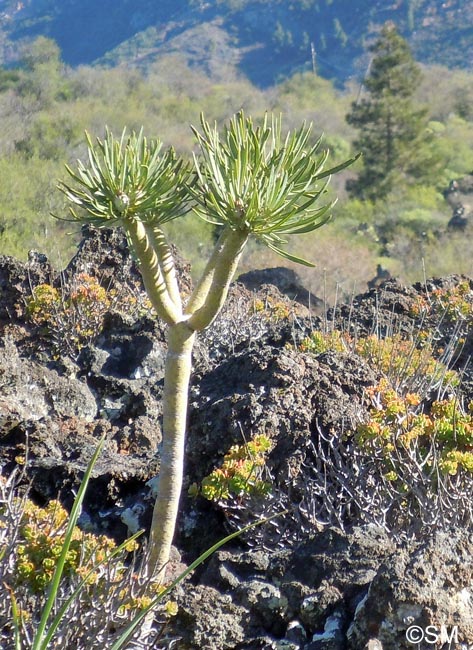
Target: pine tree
[392,129]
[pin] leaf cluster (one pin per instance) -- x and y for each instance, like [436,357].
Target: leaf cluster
[127,178]
[399,422]
[250,180]
[253,180]
[241,472]
[42,536]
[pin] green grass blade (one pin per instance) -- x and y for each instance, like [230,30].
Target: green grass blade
[65,606]
[16,616]
[129,631]
[38,643]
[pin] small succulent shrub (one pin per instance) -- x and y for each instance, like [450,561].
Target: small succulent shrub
[408,467]
[452,427]
[405,362]
[398,425]
[453,303]
[241,472]
[41,538]
[72,315]
[449,310]
[64,588]
[114,590]
[273,310]
[243,489]
[319,342]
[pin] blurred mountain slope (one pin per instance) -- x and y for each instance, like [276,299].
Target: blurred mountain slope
[264,39]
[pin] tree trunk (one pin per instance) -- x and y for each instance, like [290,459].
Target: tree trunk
[204,305]
[176,386]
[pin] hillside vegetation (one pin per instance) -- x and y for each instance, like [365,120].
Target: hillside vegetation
[264,39]
[45,106]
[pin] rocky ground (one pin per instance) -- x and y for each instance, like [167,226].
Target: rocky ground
[326,576]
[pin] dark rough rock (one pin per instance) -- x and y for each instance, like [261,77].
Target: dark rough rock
[305,587]
[459,195]
[16,281]
[382,311]
[335,592]
[125,370]
[459,220]
[104,253]
[431,586]
[285,280]
[277,391]
[209,620]
[33,393]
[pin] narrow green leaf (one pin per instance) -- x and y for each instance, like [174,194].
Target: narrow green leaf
[132,627]
[38,642]
[338,168]
[16,618]
[289,256]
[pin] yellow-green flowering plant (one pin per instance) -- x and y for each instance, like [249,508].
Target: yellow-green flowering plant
[251,181]
[54,547]
[240,473]
[51,548]
[398,422]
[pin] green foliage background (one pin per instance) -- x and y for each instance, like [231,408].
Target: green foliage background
[45,106]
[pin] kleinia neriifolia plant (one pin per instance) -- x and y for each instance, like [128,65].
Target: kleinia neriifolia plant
[249,181]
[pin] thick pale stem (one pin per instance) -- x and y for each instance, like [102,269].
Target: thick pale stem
[175,398]
[203,309]
[201,290]
[166,262]
[207,302]
[151,270]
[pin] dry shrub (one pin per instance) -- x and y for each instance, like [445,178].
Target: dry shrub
[343,264]
[115,587]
